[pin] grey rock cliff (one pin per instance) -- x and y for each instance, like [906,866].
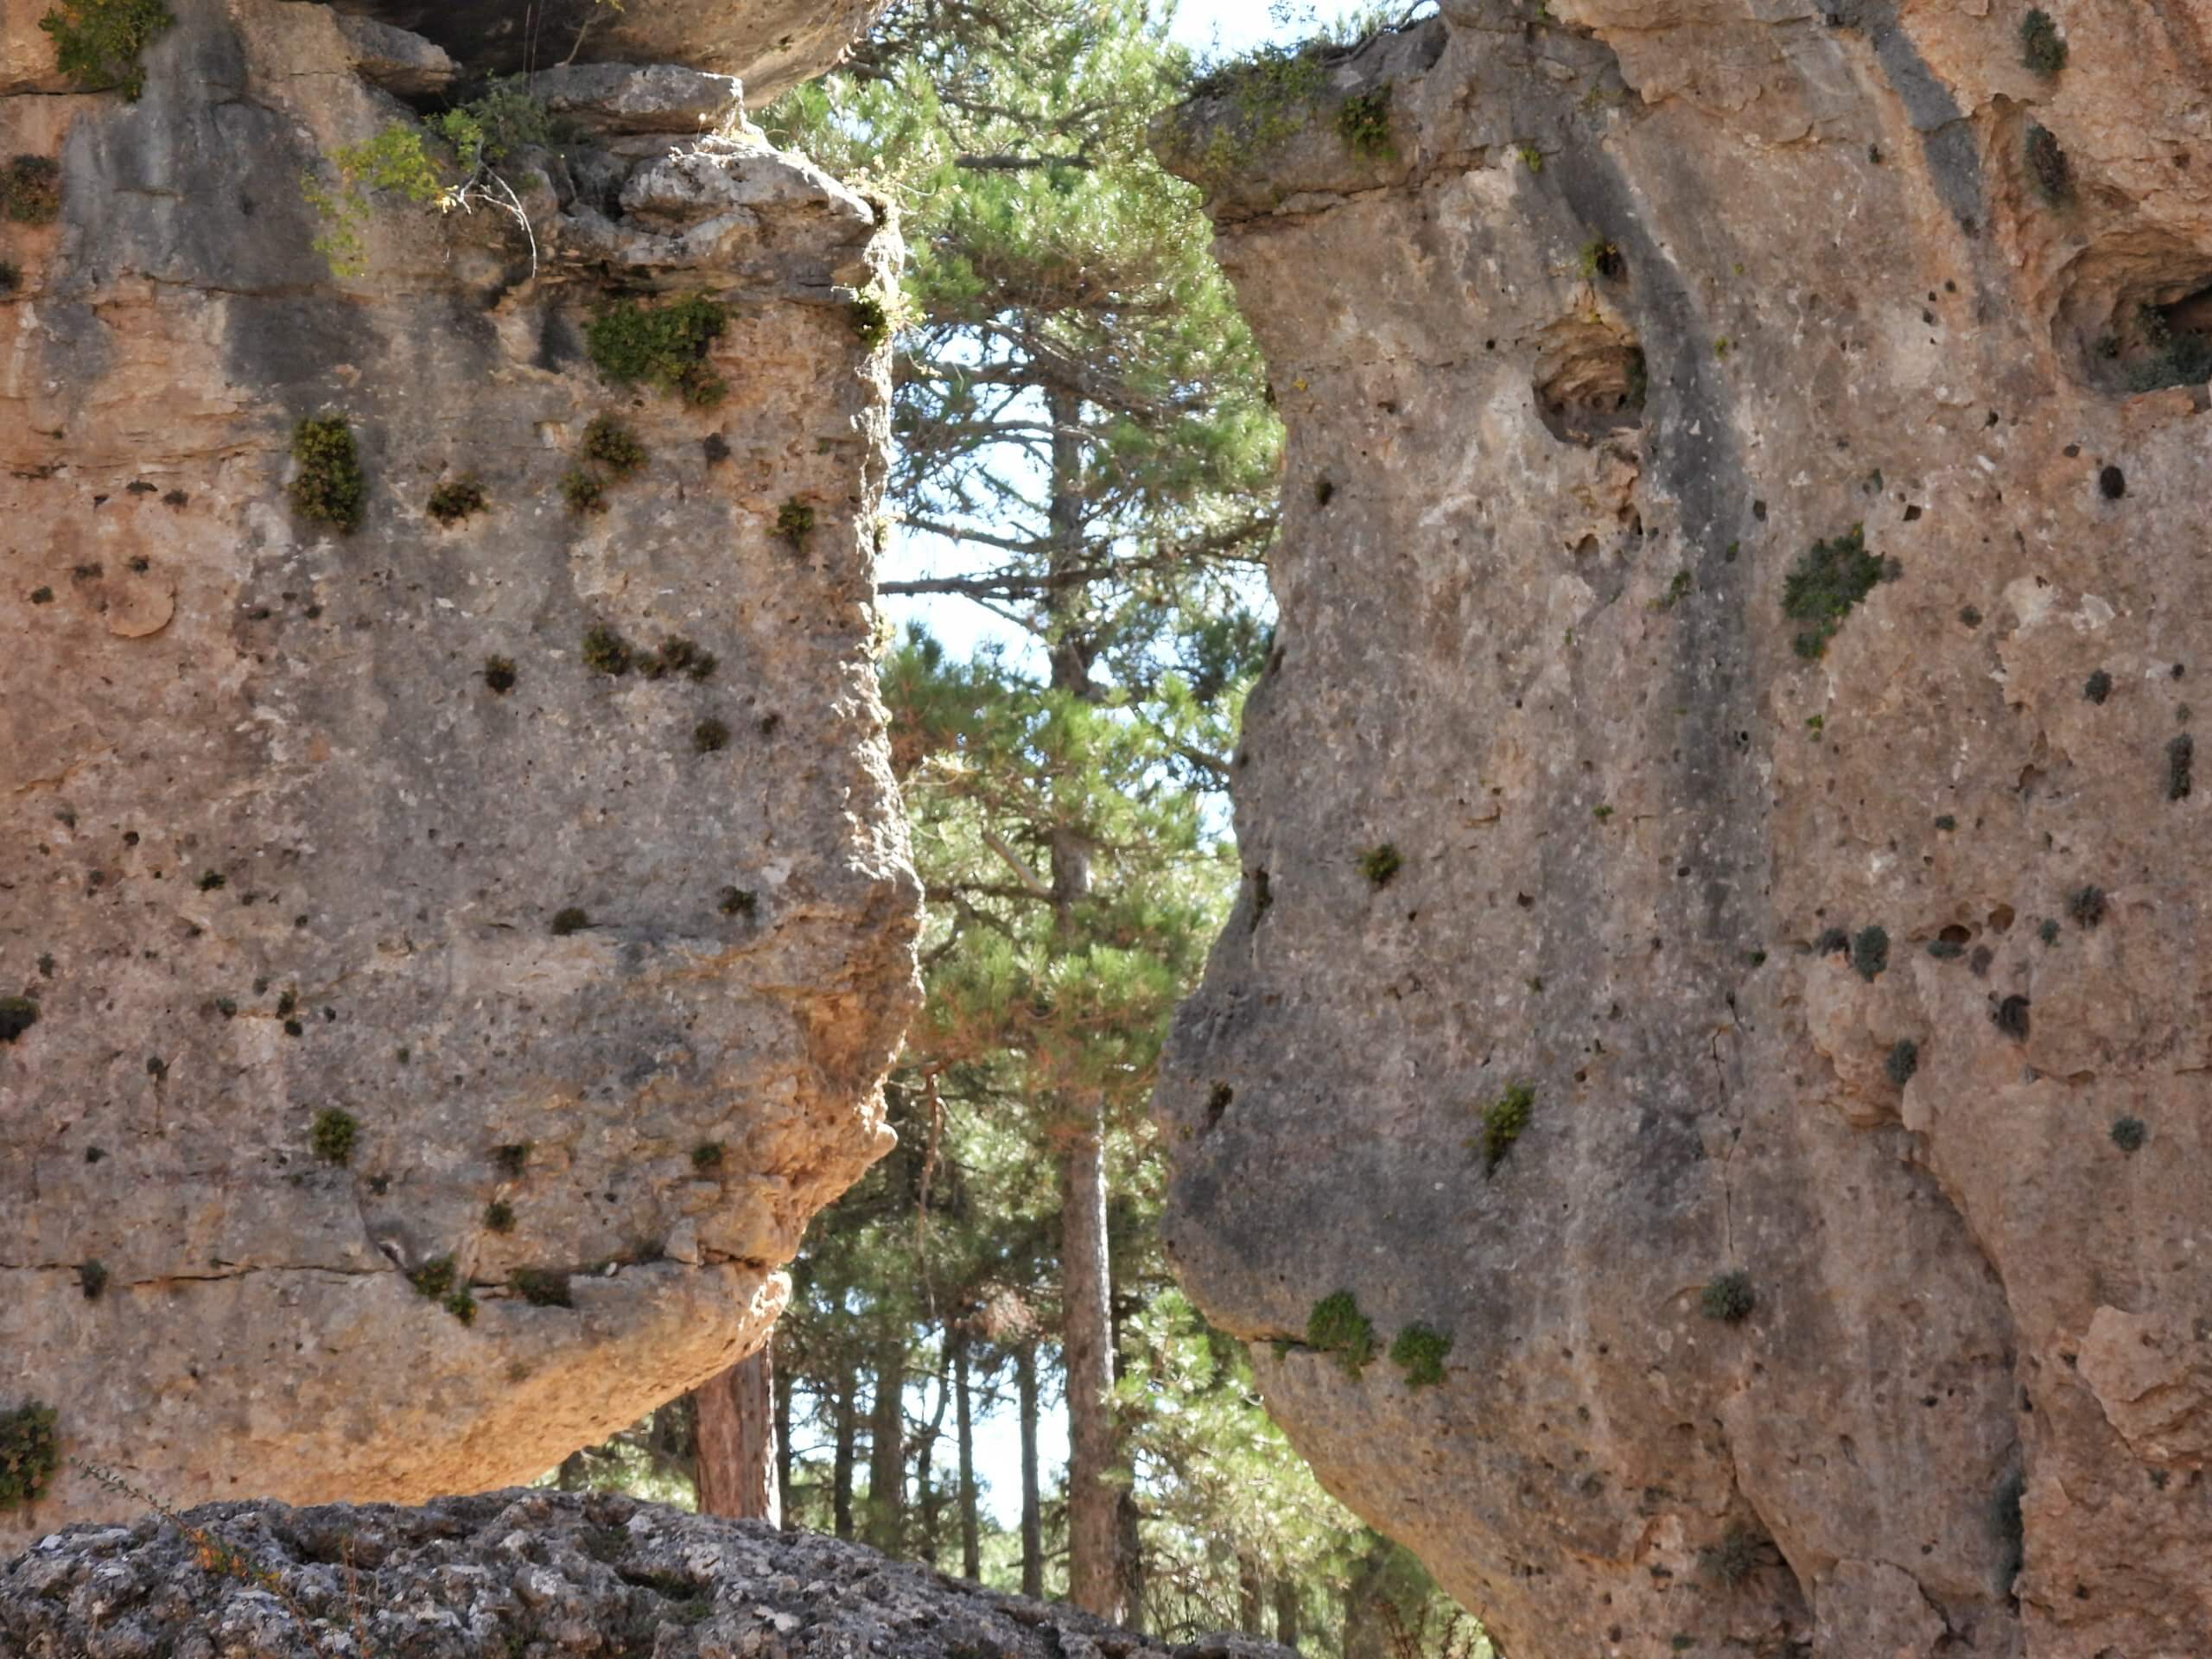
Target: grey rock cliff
[1590,323]
[280,837]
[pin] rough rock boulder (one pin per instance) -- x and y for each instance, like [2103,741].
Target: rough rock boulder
[1702,1107]
[454,908]
[530,1575]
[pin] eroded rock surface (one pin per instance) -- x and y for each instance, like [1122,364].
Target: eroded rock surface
[530,1575]
[603,969]
[1865,967]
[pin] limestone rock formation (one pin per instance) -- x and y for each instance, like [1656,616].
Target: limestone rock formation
[1720,947]
[535,1574]
[446,962]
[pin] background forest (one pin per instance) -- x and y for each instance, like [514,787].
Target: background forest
[1085,487]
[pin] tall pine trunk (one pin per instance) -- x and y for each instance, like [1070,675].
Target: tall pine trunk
[737,1441]
[887,1448]
[1033,1507]
[971,1531]
[841,1466]
[1086,1335]
[1287,1613]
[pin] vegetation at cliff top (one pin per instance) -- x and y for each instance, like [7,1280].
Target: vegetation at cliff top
[96,42]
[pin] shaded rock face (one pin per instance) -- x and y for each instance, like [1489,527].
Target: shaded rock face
[340,1159]
[1834,891]
[533,1574]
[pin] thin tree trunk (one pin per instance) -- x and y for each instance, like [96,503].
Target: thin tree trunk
[887,1448]
[1367,1597]
[927,1498]
[1086,1335]
[1127,1514]
[1287,1613]
[737,1441]
[971,1532]
[1248,1595]
[1032,1508]
[782,1380]
[840,1468]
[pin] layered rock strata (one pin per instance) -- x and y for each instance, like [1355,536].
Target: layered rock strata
[1725,851]
[455,914]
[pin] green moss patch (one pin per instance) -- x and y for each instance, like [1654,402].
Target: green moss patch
[1337,1326]
[1419,1351]
[1381,864]
[1504,1120]
[1832,577]
[333,1136]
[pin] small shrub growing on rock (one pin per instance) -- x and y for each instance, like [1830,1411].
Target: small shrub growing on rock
[543,1286]
[1337,1326]
[569,919]
[17,1015]
[2097,687]
[92,1279]
[2042,48]
[1418,1352]
[2087,904]
[1504,1120]
[330,1137]
[738,902]
[870,320]
[677,655]
[583,490]
[31,190]
[2181,760]
[1832,577]
[611,444]
[793,520]
[1945,949]
[500,1218]
[2048,931]
[1830,941]
[1734,1558]
[2010,1017]
[708,1154]
[2128,1133]
[2048,168]
[329,488]
[30,1452]
[11,277]
[96,42]
[1904,1061]
[663,346]
[1380,864]
[1364,123]
[454,499]
[1870,952]
[433,1278]
[460,1304]
[499,675]
[1729,1299]
[512,1158]
[606,652]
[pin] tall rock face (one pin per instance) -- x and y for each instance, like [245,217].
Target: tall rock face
[1723,823]
[444,962]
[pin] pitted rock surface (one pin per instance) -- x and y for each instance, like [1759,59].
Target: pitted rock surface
[273,844]
[523,1575]
[1637,301]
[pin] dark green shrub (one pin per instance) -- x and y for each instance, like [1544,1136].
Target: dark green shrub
[583,490]
[1947,823]
[2048,169]
[1364,123]
[871,321]
[499,675]
[30,1452]
[2180,759]
[1504,1119]
[708,735]
[606,652]
[500,1218]
[2129,1134]
[31,190]
[543,1286]
[708,1154]
[455,499]
[1418,1352]
[661,346]
[739,901]
[1734,1558]
[2048,931]
[11,277]
[2042,48]
[433,1278]
[1337,1326]
[677,655]
[569,919]
[17,1015]
[1729,1299]
[1831,578]
[2009,1526]
[92,1279]
[2097,687]
[2010,1017]
[1869,953]
[1380,864]
[793,520]
[329,488]
[613,446]
[461,1305]
[2087,904]
[96,42]
[1831,940]
[332,1137]
[512,1158]
[1904,1061]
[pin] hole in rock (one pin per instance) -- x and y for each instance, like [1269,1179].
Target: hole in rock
[1590,380]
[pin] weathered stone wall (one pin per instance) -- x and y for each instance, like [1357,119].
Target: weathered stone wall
[275,844]
[1640,301]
